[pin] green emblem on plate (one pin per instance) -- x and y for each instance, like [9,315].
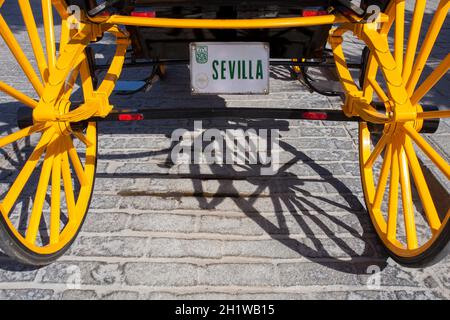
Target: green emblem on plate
[201,54]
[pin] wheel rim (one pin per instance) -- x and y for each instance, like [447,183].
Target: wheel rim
[392,175]
[399,175]
[64,158]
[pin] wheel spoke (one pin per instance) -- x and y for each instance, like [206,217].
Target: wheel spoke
[428,150]
[21,134]
[422,187]
[377,150]
[393,197]
[61,8]
[35,41]
[390,11]
[20,56]
[41,192]
[68,87]
[407,201]
[432,79]
[65,35]
[76,162]
[47,15]
[416,26]
[434,114]
[25,173]
[65,67]
[91,151]
[55,210]
[86,78]
[68,188]
[384,174]
[399,32]
[371,73]
[430,38]
[16,94]
[80,136]
[378,90]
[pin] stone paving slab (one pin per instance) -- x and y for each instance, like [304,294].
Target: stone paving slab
[162,231]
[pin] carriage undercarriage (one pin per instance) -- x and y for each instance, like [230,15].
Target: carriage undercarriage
[386,101]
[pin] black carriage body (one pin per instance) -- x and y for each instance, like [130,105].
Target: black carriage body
[380,3]
[166,43]
[162,43]
[307,42]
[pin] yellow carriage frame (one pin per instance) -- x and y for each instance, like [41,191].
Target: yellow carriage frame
[403,119]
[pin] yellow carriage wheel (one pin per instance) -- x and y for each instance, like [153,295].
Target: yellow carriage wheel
[410,214]
[44,203]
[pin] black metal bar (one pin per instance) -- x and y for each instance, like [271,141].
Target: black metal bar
[101,7]
[230,113]
[312,64]
[144,64]
[272,63]
[353,7]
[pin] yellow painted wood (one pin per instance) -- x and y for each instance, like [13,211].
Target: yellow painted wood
[33,35]
[378,90]
[393,196]
[65,35]
[227,24]
[399,32]
[433,114]
[382,181]
[414,34]
[71,62]
[41,192]
[50,43]
[68,87]
[60,76]
[86,79]
[433,31]
[115,69]
[13,137]
[61,8]
[21,58]
[80,136]
[371,73]
[407,202]
[377,150]
[75,160]
[422,187]
[431,80]
[16,188]
[68,188]
[55,208]
[440,162]
[399,75]
[18,95]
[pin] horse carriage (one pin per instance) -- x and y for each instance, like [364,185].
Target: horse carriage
[229,46]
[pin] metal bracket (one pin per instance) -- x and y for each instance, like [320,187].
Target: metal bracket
[102,7]
[353,7]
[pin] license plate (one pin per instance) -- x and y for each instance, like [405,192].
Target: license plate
[229,68]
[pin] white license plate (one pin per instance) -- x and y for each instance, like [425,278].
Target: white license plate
[229,68]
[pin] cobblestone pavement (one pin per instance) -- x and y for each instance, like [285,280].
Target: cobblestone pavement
[158,230]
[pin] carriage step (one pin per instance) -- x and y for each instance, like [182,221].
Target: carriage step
[125,87]
[129,87]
